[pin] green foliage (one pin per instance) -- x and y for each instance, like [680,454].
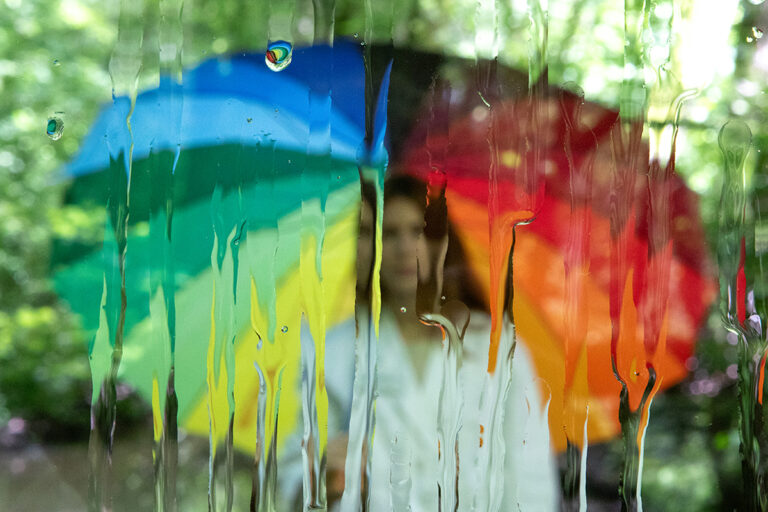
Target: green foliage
[54,56]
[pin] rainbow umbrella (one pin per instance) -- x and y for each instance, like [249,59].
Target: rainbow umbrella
[243,205]
[601,290]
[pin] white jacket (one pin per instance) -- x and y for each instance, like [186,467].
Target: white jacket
[407,408]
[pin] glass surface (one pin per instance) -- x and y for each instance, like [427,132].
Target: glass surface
[407,255]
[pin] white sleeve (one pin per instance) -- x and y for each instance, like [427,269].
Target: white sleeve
[530,462]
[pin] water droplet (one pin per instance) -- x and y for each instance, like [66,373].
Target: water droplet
[250,119]
[54,128]
[284,329]
[403,310]
[279,55]
[757,32]
[734,140]
[259,344]
[750,39]
[362,43]
[442,298]
[356,35]
[56,62]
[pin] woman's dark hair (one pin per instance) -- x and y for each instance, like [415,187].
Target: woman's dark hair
[458,283]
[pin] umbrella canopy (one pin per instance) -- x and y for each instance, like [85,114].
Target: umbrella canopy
[244,192]
[598,291]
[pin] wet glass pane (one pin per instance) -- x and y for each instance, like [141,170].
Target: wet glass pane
[396,255]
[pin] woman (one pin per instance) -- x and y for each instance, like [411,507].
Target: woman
[405,468]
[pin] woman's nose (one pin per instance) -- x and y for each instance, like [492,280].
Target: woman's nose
[408,244]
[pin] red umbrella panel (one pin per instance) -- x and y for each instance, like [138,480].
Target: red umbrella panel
[612,277]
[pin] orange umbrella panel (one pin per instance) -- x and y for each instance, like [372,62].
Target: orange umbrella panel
[581,328]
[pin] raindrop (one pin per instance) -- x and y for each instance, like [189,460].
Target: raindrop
[442,298]
[284,329]
[734,140]
[278,56]
[250,119]
[757,32]
[57,63]
[54,128]
[403,310]
[356,35]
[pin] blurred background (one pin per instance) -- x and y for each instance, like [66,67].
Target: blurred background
[55,62]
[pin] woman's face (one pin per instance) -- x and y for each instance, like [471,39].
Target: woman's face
[402,245]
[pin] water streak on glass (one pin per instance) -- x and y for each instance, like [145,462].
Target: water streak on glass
[737,308]
[373,164]
[315,180]
[257,473]
[220,361]
[357,464]
[264,251]
[106,349]
[665,101]
[538,37]
[513,162]
[324,22]
[630,160]
[429,310]
[314,399]
[663,118]
[757,304]
[280,33]
[578,137]
[163,311]
[486,22]
[363,415]
[369,97]
[230,228]
[400,473]
[650,103]
[757,321]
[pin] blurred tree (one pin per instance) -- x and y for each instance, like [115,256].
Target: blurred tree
[53,64]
